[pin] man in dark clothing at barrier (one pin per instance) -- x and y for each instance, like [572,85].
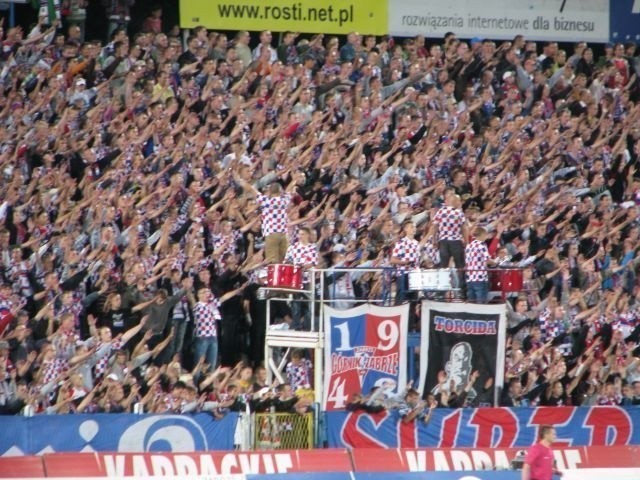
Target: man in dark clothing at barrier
[233,334]
[157,309]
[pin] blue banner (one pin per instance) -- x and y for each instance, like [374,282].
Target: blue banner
[485,427]
[116,433]
[625,21]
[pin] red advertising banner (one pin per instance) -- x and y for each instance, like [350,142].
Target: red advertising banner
[21,467]
[465,459]
[112,465]
[192,464]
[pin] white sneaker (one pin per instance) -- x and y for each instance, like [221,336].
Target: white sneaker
[279,326]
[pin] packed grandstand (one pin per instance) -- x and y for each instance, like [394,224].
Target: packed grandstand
[148,181]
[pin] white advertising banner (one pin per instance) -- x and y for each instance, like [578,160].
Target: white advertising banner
[601,473]
[561,20]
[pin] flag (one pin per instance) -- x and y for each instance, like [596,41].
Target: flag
[365,347]
[458,339]
[48,8]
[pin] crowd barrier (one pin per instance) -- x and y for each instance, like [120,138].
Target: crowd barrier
[494,428]
[364,463]
[116,433]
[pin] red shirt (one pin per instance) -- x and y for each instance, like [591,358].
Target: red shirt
[540,459]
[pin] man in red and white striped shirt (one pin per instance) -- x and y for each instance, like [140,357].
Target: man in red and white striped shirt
[206,314]
[405,256]
[302,254]
[275,219]
[476,259]
[450,230]
[104,338]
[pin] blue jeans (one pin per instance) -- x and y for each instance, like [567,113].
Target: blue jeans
[402,288]
[207,347]
[301,314]
[478,292]
[180,328]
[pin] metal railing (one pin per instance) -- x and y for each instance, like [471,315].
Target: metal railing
[379,286]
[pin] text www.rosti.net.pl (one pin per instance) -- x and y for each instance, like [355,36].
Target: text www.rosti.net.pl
[295,12]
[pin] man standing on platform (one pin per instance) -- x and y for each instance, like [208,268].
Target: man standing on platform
[273,210]
[302,254]
[539,463]
[450,230]
[477,258]
[405,256]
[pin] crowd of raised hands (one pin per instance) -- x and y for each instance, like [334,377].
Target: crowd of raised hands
[124,204]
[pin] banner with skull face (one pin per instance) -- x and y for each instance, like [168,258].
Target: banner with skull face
[462,345]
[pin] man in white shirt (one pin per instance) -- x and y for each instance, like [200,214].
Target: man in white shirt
[265,42]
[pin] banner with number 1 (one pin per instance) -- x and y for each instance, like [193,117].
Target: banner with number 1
[365,347]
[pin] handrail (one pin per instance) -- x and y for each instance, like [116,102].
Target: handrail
[316,295]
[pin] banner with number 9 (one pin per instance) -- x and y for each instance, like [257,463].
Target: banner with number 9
[365,347]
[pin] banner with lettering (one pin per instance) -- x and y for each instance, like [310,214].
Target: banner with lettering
[191,465]
[552,20]
[485,428]
[325,463]
[113,432]
[467,459]
[463,343]
[365,347]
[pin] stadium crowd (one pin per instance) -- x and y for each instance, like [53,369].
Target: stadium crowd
[147,183]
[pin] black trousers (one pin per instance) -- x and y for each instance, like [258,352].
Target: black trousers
[453,249]
[449,249]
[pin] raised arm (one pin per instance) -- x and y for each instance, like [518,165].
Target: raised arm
[132,332]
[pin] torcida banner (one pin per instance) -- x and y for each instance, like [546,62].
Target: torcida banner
[458,342]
